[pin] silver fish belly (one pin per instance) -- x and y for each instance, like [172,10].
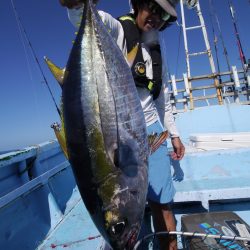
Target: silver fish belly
[105,132]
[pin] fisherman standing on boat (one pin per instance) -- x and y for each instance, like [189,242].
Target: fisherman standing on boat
[141,26]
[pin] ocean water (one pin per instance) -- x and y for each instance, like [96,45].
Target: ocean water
[7,151]
[3,152]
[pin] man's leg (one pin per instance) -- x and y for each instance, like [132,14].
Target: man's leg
[164,220]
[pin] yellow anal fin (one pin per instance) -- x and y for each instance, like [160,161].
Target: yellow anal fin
[60,135]
[57,72]
[132,54]
[155,140]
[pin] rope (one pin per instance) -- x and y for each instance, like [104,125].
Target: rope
[71,243]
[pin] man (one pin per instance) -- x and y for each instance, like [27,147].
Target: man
[142,27]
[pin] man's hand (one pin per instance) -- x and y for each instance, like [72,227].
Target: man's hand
[178,147]
[70,4]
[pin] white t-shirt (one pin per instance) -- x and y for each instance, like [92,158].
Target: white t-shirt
[159,109]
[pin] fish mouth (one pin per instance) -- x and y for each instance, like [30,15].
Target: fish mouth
[121,238]
[117,229]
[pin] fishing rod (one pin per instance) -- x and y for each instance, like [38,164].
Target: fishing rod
[34,54]
[242,55]
[179,43]
[214,14]
[220,34]
[215,41]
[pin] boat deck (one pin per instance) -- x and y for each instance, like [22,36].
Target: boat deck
[76,231]
[38,190]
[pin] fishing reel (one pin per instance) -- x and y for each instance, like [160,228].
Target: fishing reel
[191,3]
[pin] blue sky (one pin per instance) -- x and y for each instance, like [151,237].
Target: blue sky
[26,108]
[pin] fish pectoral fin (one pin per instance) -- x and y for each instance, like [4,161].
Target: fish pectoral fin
[126,158]
[155,140]
[56,71]
[113,153]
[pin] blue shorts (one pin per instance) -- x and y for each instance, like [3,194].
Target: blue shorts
[161,188]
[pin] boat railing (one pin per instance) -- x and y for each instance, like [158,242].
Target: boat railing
[226,87]
[196,240]
[35,181]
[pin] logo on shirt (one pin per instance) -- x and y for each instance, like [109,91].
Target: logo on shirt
[140,69]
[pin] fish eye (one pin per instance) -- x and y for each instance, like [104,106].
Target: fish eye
[117,229]
[135,193]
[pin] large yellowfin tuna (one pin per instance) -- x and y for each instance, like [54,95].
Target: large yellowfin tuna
[105,132]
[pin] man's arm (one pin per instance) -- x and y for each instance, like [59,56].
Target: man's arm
[166,115]
[169,123]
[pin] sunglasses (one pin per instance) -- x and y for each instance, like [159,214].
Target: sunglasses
[157,9]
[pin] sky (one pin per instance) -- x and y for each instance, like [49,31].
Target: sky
[26,107]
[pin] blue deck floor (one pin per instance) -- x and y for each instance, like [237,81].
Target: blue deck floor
[75,232]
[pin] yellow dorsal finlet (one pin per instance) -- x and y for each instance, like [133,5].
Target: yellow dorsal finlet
[60,135]
[57,72]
